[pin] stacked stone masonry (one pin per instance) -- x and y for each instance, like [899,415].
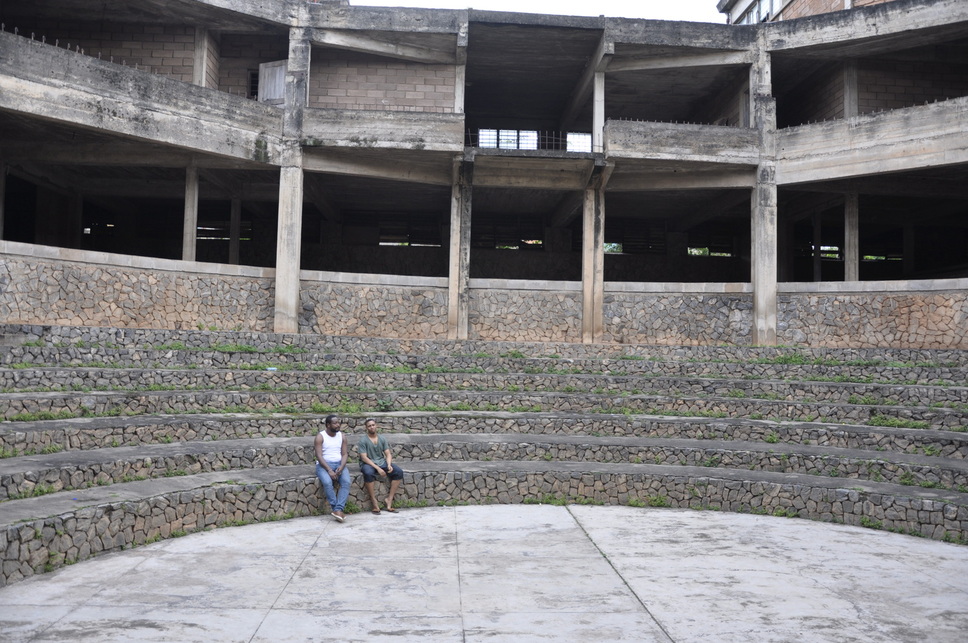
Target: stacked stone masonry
[90,531]
[80,294]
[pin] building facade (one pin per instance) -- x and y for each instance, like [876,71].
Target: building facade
[297,166]
[751,12]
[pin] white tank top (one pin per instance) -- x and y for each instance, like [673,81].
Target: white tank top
[332,446]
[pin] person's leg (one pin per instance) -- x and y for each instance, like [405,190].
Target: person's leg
[396,477]
[369,476]
[344,489]
[327,481]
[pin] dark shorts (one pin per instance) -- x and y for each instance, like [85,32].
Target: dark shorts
[369,473]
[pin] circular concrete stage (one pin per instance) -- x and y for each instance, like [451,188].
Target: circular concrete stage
[508,573]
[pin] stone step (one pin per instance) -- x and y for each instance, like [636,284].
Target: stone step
[18,438]
[80,336]
[47,532]
[77,404]
[26,475]
[829,370]
[83,379]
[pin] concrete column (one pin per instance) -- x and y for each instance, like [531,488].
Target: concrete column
[289,246]
[200,68]
[593,265]
[458,276]
[598,113]
[852,237]
[851,91]
[235,230]
[460,64]
[3,192]
[817,222]
[297,81]
[76,215]
[909,241]
[190,225]
[764,205]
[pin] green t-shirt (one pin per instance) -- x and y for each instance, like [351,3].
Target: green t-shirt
[375,451]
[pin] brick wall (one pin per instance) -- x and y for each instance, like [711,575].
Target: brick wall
[820,97]
[801,8]
[894,84]
[165,49]
[350,80]
[242,54]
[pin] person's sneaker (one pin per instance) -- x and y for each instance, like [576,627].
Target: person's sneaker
[338,515]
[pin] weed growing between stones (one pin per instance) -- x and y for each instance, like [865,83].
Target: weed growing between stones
[896,423]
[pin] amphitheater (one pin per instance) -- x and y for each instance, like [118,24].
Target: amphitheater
[621,349]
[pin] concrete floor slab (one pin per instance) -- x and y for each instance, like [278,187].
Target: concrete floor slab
[508,573]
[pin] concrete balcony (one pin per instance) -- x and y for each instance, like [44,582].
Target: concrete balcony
[376,129]
[41,81]
[648,155]
[904,139]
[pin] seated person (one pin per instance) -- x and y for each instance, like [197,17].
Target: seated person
[376,460]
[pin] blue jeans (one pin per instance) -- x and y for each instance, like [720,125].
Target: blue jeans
[336,502]
[369,473]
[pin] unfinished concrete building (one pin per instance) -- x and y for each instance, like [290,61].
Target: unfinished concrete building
[316,167]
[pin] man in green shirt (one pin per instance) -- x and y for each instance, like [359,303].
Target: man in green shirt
[376,460]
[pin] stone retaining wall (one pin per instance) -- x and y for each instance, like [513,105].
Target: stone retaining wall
[121,469]
[74,435]
[678,318]
[931,319]
[523,315]
[84,404]
[881,366]
[60,287]
[374,310]
[79,379]
[45,544]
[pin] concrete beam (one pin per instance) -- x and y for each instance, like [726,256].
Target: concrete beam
[382,44]
[583,91]
[360,129]
[45,82]
[904,139]
[717,59]
[531,172]
[432,171]
[118,153]
[681,142]
[382,19]
[627,178]
[868,30]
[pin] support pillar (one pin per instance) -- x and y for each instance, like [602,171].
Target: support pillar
[817,221]
[289,230]
[598,114]
[235,230]
[458,281]
[289,246]
[593,265]
[851,91]
[852,237]
[764,206]
[3,192]
[190,225]
[200,61]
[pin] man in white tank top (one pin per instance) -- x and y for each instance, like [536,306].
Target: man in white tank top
[331,456]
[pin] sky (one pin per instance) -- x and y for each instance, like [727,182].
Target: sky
[692,10]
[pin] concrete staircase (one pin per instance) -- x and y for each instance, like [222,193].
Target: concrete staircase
[116,437]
